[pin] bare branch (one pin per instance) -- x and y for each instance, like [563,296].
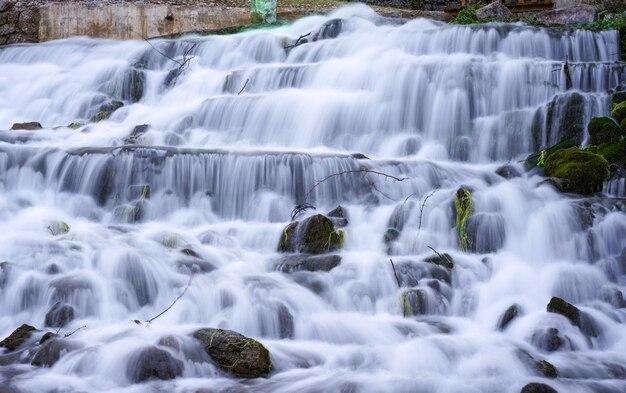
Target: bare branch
[440,256]
[163,54]
[298,41]
[174,302]
[419,227]
[306,197]
[299,209]
[395,273]
[69,334]
[244,86]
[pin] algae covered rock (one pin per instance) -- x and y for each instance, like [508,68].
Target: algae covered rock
[539,159]
[463,204]
[615,153]
[18,337]
[235,353]
[619,111]
[584,170]
[314,235]
[603,130]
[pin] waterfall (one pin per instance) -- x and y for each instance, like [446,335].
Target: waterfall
[206,145]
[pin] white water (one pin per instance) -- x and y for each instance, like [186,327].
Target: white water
[443,106]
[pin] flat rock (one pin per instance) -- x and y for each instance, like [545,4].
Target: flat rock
[579,14]
[494,11]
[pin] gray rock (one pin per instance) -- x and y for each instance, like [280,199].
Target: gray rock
[494,11]
[6,5]
[235,353]
[535,387]
[18,337]
[508,171]
[153,363]
[509,315]
[59,315]
[310,263]
[580,14]
[51,351]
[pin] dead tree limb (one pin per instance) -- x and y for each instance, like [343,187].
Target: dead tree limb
[440,256]
[364,171]
[298,41]
[182,64]
[422,206]
[69,334]
[244,86]
[395,273]
[149,321]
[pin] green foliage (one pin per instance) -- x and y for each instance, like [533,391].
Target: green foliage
[538,159]
[463,203]
[467,16]
[583,169]
[604,130]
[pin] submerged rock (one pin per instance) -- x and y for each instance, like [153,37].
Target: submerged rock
[578,318]
[314,235]
[18,337]
[106,110]
[153,363]
[548,340]
[59,315]
[330,29]
[542,367]
[58,228]
[444,260]
[136,134]
[508,171]
[51,351]
[584,171]
[509,315]
[535,387]
[604,130]
[391,235]
[338,216]
[235,353]
[28,126]
[310,263]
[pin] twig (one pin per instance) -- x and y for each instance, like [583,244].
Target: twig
[298,41]
[306,197]
[181,64]
[395,273]
[174,302]
[69,334]
[163,54]
[244,86]
[440,256]
[299,209]
[419,227]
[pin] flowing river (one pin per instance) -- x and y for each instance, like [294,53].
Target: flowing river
[189,185]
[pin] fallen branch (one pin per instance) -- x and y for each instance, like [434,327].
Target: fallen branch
[365,171]
[440,256]
[419,227]
[182,64]
[395,273]
[298,41]
[244,86]
[69,334]
[149,321]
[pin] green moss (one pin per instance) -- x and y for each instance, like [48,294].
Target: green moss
[619,112]
[102,115]
[467,16]
[75,125]
[604,130]
[284,243]
[463,203]
[538,159]
[615,153]
[583,169]
[623,125]
[58,228]
[618,97]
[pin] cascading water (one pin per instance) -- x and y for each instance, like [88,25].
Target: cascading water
[239,136]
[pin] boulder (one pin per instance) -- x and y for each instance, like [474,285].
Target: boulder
[495,11]
[153,363]
[577,318]
[330,29]
[579,14]
[314,235]
[28,126]
[619,112]
[509,315]
[535,387]
[603,130]
[18,337]
[391,235]
[235,353]
[309,263]
[538,159]
[59,315]
[547,340]
[338,216]
[51,351]
[444,260]
[136,134]
[584,170]
[618,97]
[508,172]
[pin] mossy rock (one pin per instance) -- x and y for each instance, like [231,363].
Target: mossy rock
[542,367]
[615,153]
[102,115]
[538,159]
[584,170]
[463,205]
[603,130]
[618,97]
[58,228]
[619,111]
[74,125]
[235,353]
[18,337]
[314,235]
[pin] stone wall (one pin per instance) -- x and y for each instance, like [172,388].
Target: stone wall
[18,23]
